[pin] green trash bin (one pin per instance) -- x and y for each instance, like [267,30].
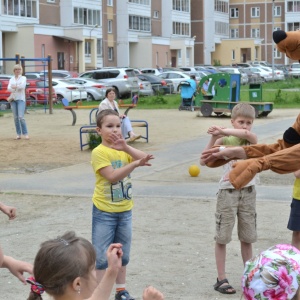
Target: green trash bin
[255,92]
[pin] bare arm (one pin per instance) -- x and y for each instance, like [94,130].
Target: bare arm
[140,159]
[214,140]
[240,133]
[16,267]
[8,210]
[297,174]
[114,257]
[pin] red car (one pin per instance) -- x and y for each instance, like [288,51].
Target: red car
[36,93]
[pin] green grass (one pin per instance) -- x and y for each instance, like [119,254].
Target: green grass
[271,92]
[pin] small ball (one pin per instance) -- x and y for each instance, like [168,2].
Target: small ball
[194,170]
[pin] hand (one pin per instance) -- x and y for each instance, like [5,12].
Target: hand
[216,130]
[9,211]
[144,161]
[114,255]
[17,267]
[151,293]
[117,141]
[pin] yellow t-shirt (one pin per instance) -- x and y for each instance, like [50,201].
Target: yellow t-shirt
[108,197]
[296,189]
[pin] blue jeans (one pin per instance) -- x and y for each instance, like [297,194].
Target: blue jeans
[18,109]
[108,228]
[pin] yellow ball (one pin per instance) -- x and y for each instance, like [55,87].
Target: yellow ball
[194,170]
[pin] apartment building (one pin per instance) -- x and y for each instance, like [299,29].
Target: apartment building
[86,34]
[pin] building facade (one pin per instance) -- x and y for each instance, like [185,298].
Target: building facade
[87,34]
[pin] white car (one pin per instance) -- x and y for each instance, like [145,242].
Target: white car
[231,70]
[175,76]
[65,89]
[263,74]
[95,89]
[278,74]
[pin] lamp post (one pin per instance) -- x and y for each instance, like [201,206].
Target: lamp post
[95,26]
[273,7]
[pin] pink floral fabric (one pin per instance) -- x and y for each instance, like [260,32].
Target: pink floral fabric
[274,274]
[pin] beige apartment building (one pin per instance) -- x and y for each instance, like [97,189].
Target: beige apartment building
[87,34]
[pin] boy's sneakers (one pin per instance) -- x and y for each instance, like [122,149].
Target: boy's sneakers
[123,295]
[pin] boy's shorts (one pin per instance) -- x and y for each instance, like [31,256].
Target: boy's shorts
[108,228]
[294,220]
[232,203]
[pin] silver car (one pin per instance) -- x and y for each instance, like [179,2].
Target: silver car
[123,80]
[95,90]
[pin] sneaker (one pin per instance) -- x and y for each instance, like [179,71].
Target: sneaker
[123,295]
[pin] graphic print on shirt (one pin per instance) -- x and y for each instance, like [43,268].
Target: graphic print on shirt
[121,190]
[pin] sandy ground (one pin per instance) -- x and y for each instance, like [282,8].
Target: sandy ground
[173,237]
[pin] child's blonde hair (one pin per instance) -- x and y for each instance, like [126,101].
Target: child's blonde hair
[243,110]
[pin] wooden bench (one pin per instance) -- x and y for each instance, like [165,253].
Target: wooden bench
[87,129]
[79,105]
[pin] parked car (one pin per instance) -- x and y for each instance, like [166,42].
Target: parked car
[188,69]
[37,92]
[72,92]
[145,88]
[158,84]
[232,70]
[284,69]
[175,76]
[294,70]
[153,71]
[95,89]
[123,80]
[34,75]
[252,77]
[59,74]
[264,75]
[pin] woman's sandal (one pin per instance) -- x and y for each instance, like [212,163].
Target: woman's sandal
[224,289]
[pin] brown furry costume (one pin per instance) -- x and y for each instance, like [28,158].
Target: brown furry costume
[282,157]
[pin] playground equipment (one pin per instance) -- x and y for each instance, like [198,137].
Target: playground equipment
[224,93]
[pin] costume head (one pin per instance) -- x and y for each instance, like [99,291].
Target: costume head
[273,274]
[288,42]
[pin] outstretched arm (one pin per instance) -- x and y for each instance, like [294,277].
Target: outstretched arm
[8,210]
[16,267]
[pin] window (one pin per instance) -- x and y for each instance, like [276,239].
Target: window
[293,26]
[221,6]
[156,14]
[22,8]
[255,12]
[51,1]
[110,53]
[181,5]
[139,23]
[87,48]
[143,2]
[234,33]
[109,26]
[85,16]
[181,28]
[233,55]
[255,33]
[276,53]
[277,11]
[234,12]
[110,3]
[293,6]
[222,28]
[99,47]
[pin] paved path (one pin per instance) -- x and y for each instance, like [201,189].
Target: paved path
[162,179]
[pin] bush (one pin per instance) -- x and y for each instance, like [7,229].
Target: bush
[94,140]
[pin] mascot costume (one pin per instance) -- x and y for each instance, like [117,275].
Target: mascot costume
[282,157]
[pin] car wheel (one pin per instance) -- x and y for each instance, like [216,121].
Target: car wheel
[59,98]
[118,96]
[31,101]
[90,97]
[4,105]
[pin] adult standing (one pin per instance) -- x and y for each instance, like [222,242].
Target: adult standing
[17,86]
[110,103]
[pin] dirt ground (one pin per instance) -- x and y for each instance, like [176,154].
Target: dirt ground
[173,237]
